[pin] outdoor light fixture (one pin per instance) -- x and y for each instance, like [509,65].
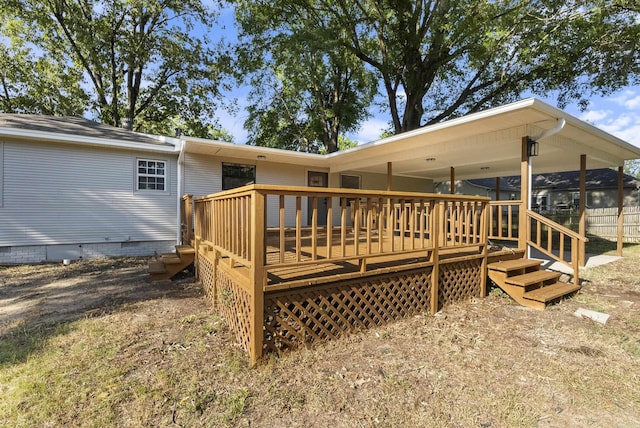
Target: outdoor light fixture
[430,159]
[261,157]
[533,148]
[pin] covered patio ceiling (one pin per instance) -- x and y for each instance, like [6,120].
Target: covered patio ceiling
[488,144]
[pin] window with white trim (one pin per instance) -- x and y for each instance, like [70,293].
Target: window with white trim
[151,174]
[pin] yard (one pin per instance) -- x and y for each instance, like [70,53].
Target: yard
[97,344]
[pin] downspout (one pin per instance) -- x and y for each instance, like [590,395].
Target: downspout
[179,190]
[545,134]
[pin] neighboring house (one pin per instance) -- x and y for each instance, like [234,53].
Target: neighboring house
[71,188]
[557,192]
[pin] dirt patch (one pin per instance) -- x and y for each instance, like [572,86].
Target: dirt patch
[135,353]
[45,294]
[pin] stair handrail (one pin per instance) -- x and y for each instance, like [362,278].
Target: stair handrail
[563,231]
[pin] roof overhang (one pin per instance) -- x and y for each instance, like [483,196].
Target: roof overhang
[164,144]
[252,154]
[488,144]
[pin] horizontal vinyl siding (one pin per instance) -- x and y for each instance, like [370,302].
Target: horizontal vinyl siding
[202,174]
[57,194]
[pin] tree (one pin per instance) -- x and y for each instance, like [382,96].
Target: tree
[307,90]
[37,84]
[439,59]
[141,60]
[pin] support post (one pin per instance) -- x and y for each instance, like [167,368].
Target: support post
[453,181]
[438,215]
[524,196]
[256,276]
[498,188]
[620,210]
[582,225]
[484,240]
[389,176]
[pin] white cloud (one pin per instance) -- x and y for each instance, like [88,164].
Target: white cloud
[629,98]
[594,116]
[625,126]
[370,131]
[633,103]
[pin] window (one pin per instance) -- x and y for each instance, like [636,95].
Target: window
[237,175]
[152,174]
[575,200]
[350,181]
[543,202]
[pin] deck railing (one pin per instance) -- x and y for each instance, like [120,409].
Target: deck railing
[542,233]
[503,220]
[386,224]
[556,241]
[186,219]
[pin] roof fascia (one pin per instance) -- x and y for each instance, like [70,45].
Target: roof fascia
[26,134]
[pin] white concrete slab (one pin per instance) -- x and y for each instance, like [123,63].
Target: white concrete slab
[592,260]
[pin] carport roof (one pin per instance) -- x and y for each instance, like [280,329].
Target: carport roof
[488,144]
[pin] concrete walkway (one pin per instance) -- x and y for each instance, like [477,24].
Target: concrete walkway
[592,261]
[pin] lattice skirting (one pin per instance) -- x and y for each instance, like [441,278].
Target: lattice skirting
[205,268]
[459,281]
[306,315]
[234,303]
[230,299]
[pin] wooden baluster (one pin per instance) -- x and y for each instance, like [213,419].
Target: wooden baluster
[343,226]
[298,227]
[281,230]
[329,227]
[314,228]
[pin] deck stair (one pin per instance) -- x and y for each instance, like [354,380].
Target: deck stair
[527,284]
[169,265]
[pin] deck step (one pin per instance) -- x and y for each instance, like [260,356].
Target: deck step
[171,259]
[532,278]
[156,267]
[513,265]
[551,292]
[185,249]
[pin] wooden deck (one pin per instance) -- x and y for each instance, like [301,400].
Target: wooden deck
[285,272]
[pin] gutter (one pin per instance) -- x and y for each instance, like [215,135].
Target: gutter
[180,145]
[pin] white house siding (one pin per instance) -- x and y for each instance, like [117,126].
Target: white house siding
[202,174]
[57,194]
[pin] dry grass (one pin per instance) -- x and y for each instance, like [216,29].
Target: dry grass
[168,359]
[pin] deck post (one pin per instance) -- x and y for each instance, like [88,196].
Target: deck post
[256,276]
[582,225]
[389,176]
[438,215]
[452,172]
[524,196]
[620,210]
[484,241]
